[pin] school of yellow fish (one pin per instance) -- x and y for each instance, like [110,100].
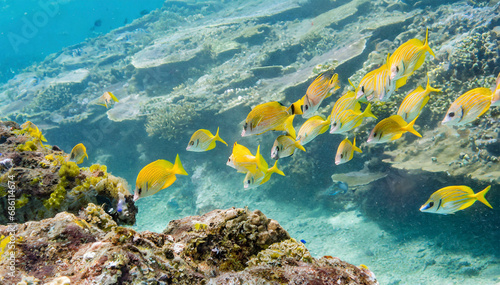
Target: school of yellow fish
[346,114]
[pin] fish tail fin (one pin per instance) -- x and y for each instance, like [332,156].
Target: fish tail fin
[178,168]
[354,147]
[299,146]
[429,88]
[113,97]
[480,196]
[275,169]
[328,120]
[288,126]
[217,138]
[411,129]
[426,44]
[296,107]
[368,111]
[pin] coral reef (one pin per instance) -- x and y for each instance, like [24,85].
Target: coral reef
[220,247]
[43,182]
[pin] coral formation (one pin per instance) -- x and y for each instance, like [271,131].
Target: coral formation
[236,244]
[44,182]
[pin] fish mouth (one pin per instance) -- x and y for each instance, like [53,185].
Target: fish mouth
[424,208]
[136,196]
[337,162]
[243,133]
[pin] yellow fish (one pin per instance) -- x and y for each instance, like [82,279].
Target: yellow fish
[243,161]
[468,107]
[107,99]
[34,132]
[320,88]
[390,129]
[495,100]
[254,179]
[450,199]
[285,146]
[408,57]
[376,85]
[312,128]
[269,116]
[346,150]
[413,103]
[347,101]
[78,153]
[156,176]
[203,140]
[349,119]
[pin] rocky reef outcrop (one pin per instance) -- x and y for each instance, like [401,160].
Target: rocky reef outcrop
[233,246]
[38,180]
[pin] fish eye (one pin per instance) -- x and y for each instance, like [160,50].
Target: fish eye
[191,143]
[140,191]
[335,124]
[248,181]
[245,126]
[363,89]
[374,135]
[451,114]
[431,204]
[341,155]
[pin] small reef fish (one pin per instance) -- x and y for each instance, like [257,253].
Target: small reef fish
[321,88]
[156,176]
[390,129]
[107,99]
[303,241]
[269,116]
[33,131]
[376,84]
[408,57]
[346,150]
[312,128]
[78,153]
[285,146]
[203,140]
[259,177]
[450,199]
[243,161]
[415,101]
[337,187]
[347,101]
[468,107]
[349,119]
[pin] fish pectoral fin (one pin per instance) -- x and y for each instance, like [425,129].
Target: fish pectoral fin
[396,136]
[168,181]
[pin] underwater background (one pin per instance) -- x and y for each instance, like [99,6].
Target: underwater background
[180,66]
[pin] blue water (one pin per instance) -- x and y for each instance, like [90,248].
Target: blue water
[31,29]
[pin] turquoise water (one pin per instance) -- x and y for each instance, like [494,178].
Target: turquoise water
[193,65]
[31,29]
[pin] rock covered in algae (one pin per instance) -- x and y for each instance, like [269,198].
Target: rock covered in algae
[233,246]
[42,182]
